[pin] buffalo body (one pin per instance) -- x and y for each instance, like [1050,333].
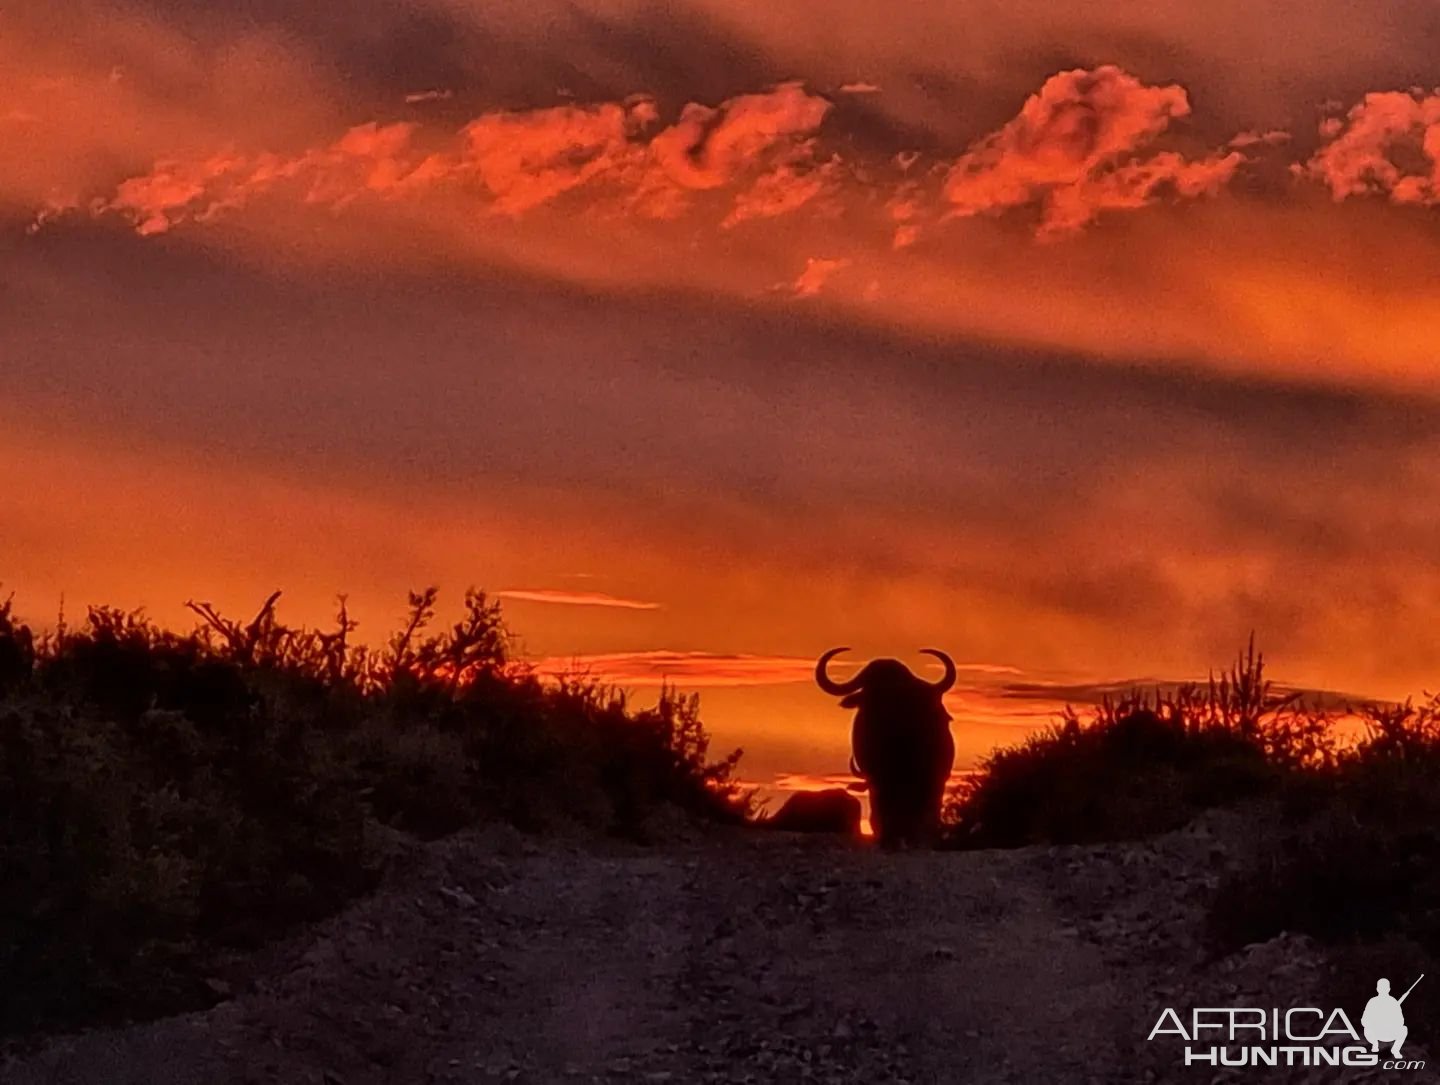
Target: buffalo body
[832,811]
[901,744]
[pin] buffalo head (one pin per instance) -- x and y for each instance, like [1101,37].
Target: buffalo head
[901,743]
[883,679]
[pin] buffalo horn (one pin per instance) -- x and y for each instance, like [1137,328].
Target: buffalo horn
[825,682]
[949,679]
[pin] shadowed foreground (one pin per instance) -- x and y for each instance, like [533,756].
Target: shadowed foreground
[755,957]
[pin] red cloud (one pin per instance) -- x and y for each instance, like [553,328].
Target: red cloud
[787,188]
[371,158]
[1271,137]
[816,274]
[1387,145]
[661,666]
[1075,150]
[694,669]
[575,598]
[521,160]
[529,157]
[173,190]
[812,781]
[708,147]
[1080,145]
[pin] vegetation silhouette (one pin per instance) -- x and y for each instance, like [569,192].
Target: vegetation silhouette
[166,799]
[1142,764]
[1356,853]
[901,743]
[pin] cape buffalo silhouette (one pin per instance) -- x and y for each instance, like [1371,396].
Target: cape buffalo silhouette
[831,811]
[901,744]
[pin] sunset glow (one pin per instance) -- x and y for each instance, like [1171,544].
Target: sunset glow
[1079,341]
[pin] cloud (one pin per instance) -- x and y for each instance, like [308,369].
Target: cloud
[1083,144]
[817,273]
[1076,149]
[1387,145]
[1093,693]
[574,598]
[823,781]
[528,157]
[167,194]
[417,96]
[809,781]
[701,669]
[591,210]
[516,161]
[689,669]
[368,159]
[707,148]
[1272,137]
[787,188]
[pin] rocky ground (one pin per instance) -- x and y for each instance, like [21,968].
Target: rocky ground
[749,957]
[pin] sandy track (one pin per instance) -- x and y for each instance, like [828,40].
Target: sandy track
[757,958]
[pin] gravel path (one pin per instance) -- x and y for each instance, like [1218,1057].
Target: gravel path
[759,957]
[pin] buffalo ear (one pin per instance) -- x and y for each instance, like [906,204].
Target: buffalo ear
[851,700]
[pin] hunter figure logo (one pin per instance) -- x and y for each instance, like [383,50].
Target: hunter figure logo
[1298,1036]
[1384,1020]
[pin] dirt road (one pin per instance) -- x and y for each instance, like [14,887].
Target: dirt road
[761,957]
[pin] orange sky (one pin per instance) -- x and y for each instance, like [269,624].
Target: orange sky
[1077,342]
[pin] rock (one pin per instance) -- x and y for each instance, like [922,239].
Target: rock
[456,895]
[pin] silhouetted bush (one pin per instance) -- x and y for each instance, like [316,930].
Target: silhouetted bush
[17,650]
[1354,855]
[1143,764]
[166,798]
[1358,854]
